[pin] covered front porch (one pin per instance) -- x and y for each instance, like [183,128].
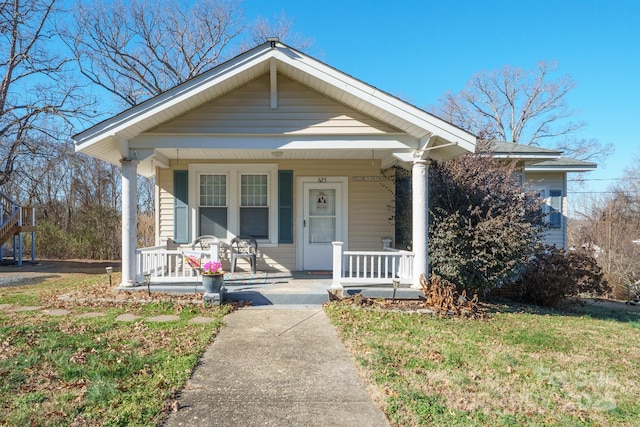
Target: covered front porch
[283,148]
[159,265]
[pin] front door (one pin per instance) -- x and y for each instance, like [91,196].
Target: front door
[323,221]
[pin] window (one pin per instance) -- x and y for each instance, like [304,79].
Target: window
[552,206]
[254,207]
[555,208]
[230,200]
[213,205]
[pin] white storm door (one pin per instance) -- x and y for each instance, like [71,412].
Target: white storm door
[322,223]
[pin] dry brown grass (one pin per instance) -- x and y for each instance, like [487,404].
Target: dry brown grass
[526,367]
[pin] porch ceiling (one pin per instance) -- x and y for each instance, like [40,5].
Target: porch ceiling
[227,154]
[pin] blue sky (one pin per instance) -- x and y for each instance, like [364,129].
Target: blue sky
[419,50]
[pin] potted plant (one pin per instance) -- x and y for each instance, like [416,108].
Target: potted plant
[212,276]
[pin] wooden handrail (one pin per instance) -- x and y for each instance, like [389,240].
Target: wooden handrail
[6,228]
[13,215]
[9,205]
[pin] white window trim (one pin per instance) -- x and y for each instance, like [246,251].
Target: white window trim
[233,172]
[546,197]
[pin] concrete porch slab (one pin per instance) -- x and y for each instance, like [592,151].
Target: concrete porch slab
[283,288]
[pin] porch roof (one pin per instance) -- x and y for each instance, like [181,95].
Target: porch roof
[127,134]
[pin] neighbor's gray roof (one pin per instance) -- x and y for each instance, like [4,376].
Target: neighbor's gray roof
[502,148]
[563,164]
[539,159]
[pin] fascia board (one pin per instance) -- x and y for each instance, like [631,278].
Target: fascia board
[517,156]
[534,168]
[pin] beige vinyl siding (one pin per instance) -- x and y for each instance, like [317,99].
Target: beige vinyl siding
[164,182]
[247,111]
[552,181]
[369,203]
[368,200]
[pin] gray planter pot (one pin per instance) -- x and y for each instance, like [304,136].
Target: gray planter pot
[212,283]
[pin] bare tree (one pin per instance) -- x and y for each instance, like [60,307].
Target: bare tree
[281,27]
[608,227]
[522,106]
[37,102]
[139,48]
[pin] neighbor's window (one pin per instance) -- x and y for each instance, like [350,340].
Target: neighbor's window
[552,207]
[213,205]
[555,208]
[254,205]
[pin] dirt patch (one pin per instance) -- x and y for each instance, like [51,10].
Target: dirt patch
[60,266]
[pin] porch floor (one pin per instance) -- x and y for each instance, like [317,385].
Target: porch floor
[282,288]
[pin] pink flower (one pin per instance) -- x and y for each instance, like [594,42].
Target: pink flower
[212,267]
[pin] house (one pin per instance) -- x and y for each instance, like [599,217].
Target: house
[277,145]
[546,171]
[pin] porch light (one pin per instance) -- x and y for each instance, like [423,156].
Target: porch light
[147,280]
[109,273]
[276,154]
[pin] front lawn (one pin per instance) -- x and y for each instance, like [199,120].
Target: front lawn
[517,367]
[77,369]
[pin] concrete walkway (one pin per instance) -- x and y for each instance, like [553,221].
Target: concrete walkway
[278,366]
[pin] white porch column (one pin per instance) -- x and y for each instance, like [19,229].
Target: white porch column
[129,221]
[420,207]
[337,267]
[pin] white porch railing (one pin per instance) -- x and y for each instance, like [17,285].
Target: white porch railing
[371,267]
[362,267]
[167,265]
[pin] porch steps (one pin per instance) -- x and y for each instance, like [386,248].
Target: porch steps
[287,291]
[312,294]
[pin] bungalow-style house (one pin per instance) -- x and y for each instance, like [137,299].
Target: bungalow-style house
[276,145]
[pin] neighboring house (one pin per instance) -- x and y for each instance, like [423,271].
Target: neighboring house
[546,171]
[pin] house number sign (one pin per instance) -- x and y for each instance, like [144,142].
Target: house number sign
[369,178]
[322,179]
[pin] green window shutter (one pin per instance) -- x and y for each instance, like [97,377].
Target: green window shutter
[181,206]
[285,206]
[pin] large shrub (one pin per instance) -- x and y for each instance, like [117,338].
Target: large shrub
[554,275]
[484,224]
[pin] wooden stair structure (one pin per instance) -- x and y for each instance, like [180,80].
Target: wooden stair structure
[16,220]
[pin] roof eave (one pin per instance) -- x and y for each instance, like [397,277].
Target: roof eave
[560,168]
